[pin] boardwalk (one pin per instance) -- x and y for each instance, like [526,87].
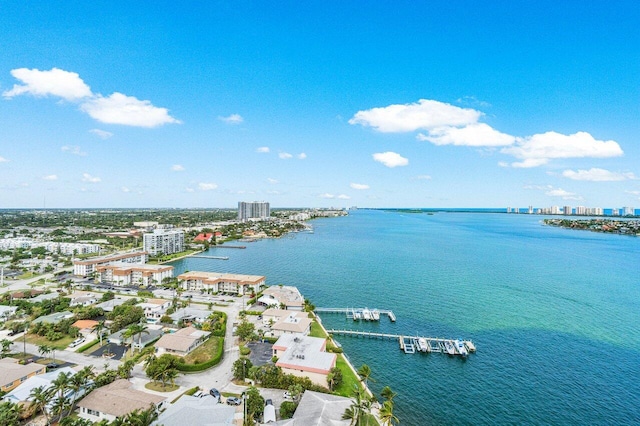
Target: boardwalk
[211,257]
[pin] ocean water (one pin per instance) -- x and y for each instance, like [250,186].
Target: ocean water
[554,313]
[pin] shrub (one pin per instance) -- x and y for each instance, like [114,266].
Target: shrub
[287,408]
[190,368]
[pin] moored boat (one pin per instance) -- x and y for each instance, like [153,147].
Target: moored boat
[460,348]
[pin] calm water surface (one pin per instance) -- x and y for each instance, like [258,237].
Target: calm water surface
[555,313]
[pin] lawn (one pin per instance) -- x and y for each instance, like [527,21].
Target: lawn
[159,388]
[349,379]
[42,340]
[27,275]
[316,330]
[204,352]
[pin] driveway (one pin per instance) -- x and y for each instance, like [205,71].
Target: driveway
[117,350]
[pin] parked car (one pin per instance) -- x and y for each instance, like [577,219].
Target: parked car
[286,395]
[52,366]
[232,400]
[199,394]
[268,402]
[215,393]
[76,342]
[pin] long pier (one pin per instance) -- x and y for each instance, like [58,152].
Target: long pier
[231,247]
[413,344]
[211,257]
[357,314]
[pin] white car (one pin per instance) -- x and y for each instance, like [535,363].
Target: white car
[76,342]
[286,395]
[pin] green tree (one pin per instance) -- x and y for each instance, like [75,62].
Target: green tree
[287,408]
[44,350]
[386,414]
[241,368]
[387,393]
[163,369]
[99,329]
[10,414]
[334,378]
[365,373]
[6,347]
[126,368]
[40,397]
[254,405]
[360,409]
[245,329]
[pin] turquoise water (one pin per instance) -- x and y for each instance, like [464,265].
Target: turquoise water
[555,313]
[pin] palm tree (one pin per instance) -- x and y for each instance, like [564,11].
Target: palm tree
[6,346]
[125,369]
[99,329]
[39,398]
[388,394]
[136,329]
[365,373]
[386,414]
[360,409]
[141,418]
[61,385]
[10,414]
[44,350]
[79,382]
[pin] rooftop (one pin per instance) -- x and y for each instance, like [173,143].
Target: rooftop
[215,277]
[11,371]
[192,411]
[118,399]
[181,340]
[319,409]
[304,353]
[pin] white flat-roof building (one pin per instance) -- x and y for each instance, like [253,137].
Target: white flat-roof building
[286,322]
[219,282]
[282,295]
[83,268]
[154,309]
[163,241]
[122,274]
[253,210]
[304,356]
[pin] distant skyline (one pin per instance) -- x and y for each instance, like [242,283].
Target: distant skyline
[317,104]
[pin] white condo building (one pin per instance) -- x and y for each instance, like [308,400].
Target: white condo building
[253,210]
[83,268]
[163,241]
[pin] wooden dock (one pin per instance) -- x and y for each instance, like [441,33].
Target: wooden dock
[412,344]
[357,314]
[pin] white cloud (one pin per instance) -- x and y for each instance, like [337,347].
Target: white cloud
[425,114]
[86,177]
[343,197]
[50,177]
[126,110]
[232,119]
[559,192]
[55,82]
[528,163]
[422,177]
[359,186]
[477,134]
[302,156]
[73,149]
[272,181]
[263,149]
[3,160]
[285,155]
[204,186]
[327,195]
[538,149]
[102,134]
[189,190]
[390,159]
[125,189]
[177,168]
[597,175]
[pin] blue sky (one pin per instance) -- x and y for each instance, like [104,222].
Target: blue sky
[374,104]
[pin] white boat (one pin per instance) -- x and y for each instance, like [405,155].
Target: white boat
[375,315]
[448,346]
[470,346]
[423,346]
[366,314]
[357,316]
[459,344]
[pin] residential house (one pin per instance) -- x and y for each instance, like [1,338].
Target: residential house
[151,334]
[319,409]
[54,318]
[219,282]
[85,326]
[190,314]
[154,309]
[304,356]
[12,374]
[83,299]
[181,342]
[109,305]
[193,411]
[203,237]
[7,311]
[116,400]
[23,392]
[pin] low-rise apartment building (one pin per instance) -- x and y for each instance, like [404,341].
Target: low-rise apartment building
[84,268]
[286,322]
[304,356]
[218,282]
[124,274]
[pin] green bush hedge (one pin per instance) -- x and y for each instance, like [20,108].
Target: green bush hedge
[87,346]
[190,368]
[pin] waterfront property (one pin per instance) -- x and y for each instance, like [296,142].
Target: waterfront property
[319,409]
[218,282]
[286,322]
[12,374]
[163,241]
[181,342]
[304,356]
[191,410]
[116,400]
[282,296]
[124,274]
[84,268]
